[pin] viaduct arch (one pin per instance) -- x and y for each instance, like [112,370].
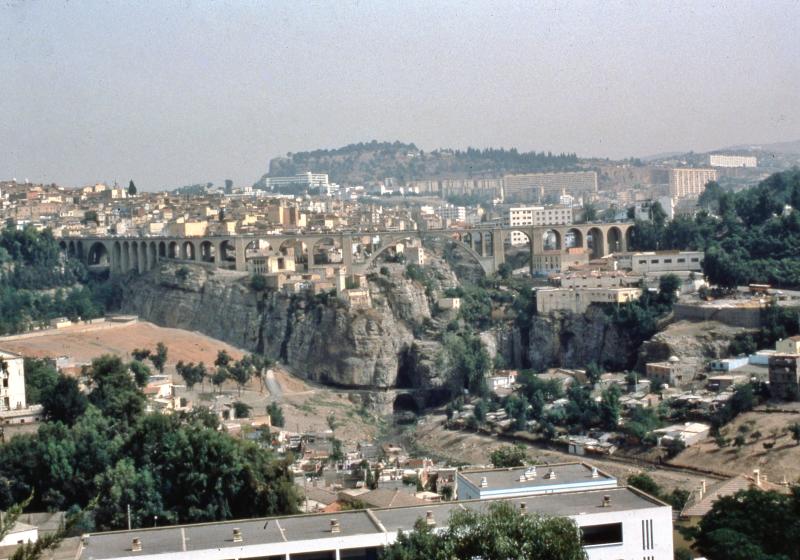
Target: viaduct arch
[485,245]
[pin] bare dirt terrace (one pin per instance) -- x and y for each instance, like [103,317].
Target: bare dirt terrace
[768,446]
[305,407]
[84,342]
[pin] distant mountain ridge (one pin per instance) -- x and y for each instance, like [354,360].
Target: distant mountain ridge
[365,163]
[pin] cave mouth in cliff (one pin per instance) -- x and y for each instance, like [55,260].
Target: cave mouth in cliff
[406,369]
[405,403]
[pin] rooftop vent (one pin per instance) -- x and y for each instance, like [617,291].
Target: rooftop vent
[237,535]
[595,474]
[702,487]
[429,520]
[523,508]
[522,478]
[530,472]
[335,527]
[606,501]
[136,545]
[484,482]
[551,475]
[757,477]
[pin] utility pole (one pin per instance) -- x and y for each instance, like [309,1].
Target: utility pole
[129,517]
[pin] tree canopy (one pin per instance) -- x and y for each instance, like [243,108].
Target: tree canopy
[500,533]
[179,467]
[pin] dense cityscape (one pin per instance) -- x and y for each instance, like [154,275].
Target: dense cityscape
[378,351]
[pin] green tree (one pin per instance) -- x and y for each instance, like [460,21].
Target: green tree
[751,524]
[159,358]
[669,287]
[191,374]
[509,456]
[610,407]
[505,270]
[645,483]
[141,373]
[241,372]
[242,410]
[140,354]
[114,392]
[276,414]
[794,429]
[64,401]
[122,486]
[40,378]
[258,282]
[219,377]
[131,188]
[497,533]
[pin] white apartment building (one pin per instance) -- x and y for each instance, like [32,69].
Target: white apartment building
[452,213]
[483,484]
[536,216]
[307,180]
[658,262]
[615,522]
[12,382]
[722,160]
[689,182]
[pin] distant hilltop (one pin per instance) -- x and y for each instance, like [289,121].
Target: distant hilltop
[366,163]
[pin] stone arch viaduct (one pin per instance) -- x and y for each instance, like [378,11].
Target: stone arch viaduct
[486,245]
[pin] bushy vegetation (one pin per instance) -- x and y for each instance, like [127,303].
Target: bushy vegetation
[751,525]
[38,283]
[498,532]
[747,236]
[677,498]
[178,467]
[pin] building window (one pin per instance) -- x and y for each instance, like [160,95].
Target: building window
[609,533]
[667,261]
[695,259]
[681,260]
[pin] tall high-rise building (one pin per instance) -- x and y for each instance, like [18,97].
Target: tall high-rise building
[689,182]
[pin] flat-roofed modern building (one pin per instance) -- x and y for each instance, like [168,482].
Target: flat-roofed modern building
[536,216]
[687,182]
[723,160]
[614,522]
[480,484]
[548,187]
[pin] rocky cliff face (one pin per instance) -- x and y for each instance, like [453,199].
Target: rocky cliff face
[568,340]
[318,337]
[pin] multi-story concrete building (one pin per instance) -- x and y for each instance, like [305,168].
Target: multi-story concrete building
[536,216]
[689,182]
[722,160]
[482,484]
[541,187]
[12,382]
[784,377]
[306,180]
[614,523]
[452,213]
[790,345]
[661,262]
[578,300]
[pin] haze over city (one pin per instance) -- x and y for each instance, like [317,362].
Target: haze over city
[171,94]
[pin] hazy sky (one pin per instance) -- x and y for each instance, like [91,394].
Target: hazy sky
[175,92]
